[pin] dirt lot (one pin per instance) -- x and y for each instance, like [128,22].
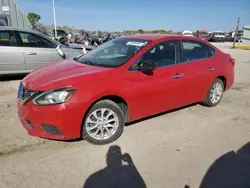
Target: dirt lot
[171,150]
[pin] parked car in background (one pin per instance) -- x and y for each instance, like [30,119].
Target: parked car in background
[79,46]
[230,38]
[60,33]
[123,80]
[210,34]
[218,36]
[187,33]
[24,50]
[238,37]
[202,34]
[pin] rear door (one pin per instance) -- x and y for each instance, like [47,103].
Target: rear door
[11,57]
[197,69]
[37,50]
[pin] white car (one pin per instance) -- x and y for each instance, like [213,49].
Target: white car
[188,33]
[24,50]
[218,36]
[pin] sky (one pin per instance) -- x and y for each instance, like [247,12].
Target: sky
[119,15]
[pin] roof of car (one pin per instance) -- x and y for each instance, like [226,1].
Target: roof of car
[17,29]
[153,37]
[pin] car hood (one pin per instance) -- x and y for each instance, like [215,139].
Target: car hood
[63,74]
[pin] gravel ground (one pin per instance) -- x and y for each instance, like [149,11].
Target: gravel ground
[171,150]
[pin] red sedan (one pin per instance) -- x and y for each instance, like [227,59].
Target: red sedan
[123,80]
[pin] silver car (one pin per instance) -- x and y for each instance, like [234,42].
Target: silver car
[24,50]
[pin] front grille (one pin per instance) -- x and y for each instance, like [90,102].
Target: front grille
[50,129]
[25,95]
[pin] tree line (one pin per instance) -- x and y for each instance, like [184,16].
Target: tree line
[35,18]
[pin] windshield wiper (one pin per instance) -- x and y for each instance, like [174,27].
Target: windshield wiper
[89,62]
[85,62]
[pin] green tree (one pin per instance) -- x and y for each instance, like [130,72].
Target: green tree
[169,32]
[33,18]
[65,28]
[41,27]
[162,31]
[140,31]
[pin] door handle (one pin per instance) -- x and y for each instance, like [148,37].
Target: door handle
[31,53]
[211,69]
[178,76]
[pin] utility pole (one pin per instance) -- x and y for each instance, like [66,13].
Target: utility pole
[236,31]
[54,13]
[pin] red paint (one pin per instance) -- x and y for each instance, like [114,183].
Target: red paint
[144,95]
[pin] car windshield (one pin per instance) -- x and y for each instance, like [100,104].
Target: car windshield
[218,33]
[187,33]
[113,53]
[204,33]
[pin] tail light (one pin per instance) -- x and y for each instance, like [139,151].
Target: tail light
[229,57]
[232,60]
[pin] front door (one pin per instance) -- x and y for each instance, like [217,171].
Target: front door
[160,90]
[37,50]
[11,57]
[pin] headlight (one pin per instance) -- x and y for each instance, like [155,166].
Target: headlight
[54,97]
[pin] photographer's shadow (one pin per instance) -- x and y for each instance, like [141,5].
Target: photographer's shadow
[120,172]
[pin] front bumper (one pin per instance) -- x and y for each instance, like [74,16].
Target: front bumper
[59,122]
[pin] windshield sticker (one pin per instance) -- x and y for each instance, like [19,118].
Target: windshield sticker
[133,43]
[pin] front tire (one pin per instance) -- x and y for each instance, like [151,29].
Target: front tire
[103,123]
[215,93]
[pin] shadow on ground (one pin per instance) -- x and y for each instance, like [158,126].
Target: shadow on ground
[232,170]
[120,172]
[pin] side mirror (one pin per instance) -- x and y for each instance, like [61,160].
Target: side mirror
[146,65]
[84,50]
[60,51]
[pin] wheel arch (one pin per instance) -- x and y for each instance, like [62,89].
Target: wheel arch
[115,98]
[224,80]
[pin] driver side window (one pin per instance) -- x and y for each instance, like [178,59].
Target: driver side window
[163,54]
[34,41]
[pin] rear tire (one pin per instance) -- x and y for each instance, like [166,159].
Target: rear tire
[215,93]
[103,123]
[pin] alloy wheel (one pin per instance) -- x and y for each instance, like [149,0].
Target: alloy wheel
[102,124]
[216,93]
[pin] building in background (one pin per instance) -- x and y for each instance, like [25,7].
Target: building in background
[12,15]
[246,35]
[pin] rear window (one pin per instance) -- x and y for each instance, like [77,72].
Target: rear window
[190,45]
[211,51]
[203,33]
[193,50]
